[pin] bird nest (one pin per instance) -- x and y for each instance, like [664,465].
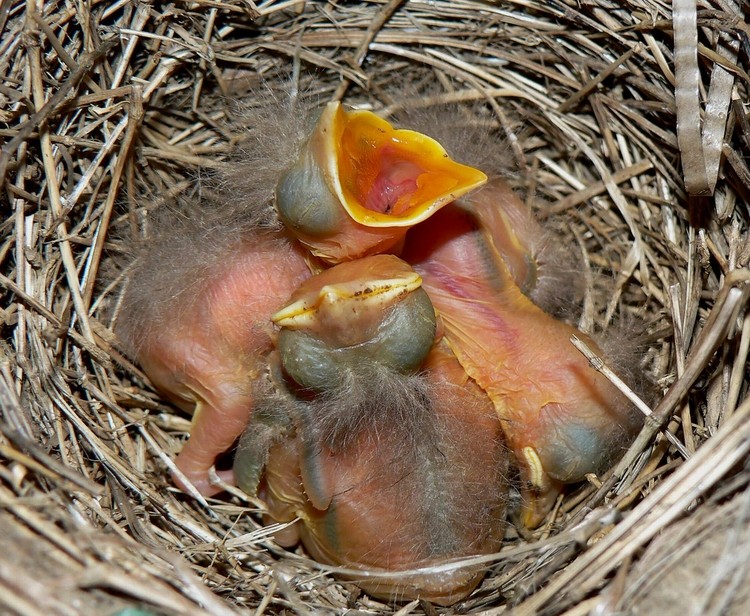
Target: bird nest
[625,126]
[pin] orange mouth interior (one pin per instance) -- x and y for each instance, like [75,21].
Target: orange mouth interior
[392,177]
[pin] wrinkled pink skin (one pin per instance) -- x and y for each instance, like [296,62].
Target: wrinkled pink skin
[375,515]
[207,357]
[547,396]
[353,240]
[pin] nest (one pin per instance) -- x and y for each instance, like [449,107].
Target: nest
[627,127]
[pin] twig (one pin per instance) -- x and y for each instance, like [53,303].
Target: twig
[597,363]
[380,19]
[48,109]
[135,116]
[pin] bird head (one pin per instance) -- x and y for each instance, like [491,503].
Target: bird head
[359,184]
[350,316]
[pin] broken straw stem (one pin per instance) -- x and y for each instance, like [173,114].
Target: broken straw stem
[597,363]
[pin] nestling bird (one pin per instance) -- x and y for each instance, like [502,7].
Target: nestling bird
[561,418]
[355,314]
[202,333]
[388,469]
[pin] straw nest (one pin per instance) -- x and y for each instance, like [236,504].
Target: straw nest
[626,126]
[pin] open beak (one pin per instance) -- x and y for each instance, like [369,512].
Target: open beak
[360,184]
[386,177]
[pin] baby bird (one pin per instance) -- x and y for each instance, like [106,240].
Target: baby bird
[561,418]
[388,469]
[202,333]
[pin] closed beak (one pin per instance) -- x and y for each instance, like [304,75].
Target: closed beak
[353,315]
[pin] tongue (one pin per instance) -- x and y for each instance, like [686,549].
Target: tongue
[396,179]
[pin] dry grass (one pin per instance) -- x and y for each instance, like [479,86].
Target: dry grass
[103,105]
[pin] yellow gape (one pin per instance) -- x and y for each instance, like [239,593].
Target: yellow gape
[359,184]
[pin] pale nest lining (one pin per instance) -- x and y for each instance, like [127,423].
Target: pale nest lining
[110,109]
